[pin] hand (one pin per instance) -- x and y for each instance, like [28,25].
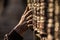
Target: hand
[24,23]
[26,18]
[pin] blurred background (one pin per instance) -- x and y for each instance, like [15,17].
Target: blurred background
[10,14]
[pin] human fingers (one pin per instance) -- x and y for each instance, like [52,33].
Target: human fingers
[29,17]
[29,21]
[25,15]
[30,25]
[28,13]
[27,9]
[23,18]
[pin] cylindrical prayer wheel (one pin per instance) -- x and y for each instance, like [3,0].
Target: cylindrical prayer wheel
[45,19]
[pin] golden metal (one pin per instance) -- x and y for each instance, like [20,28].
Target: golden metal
[39,18]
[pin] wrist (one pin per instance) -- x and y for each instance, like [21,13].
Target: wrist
[18,30]
[21,29]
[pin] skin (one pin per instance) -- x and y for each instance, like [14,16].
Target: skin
[24,23]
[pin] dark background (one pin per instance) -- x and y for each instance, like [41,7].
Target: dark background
[10,14]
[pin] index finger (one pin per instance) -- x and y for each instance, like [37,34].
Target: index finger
[26,10]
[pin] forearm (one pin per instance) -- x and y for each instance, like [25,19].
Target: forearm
[13,36]
[17,33]
[21,29]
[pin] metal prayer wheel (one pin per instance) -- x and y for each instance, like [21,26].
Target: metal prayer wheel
[45,19]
